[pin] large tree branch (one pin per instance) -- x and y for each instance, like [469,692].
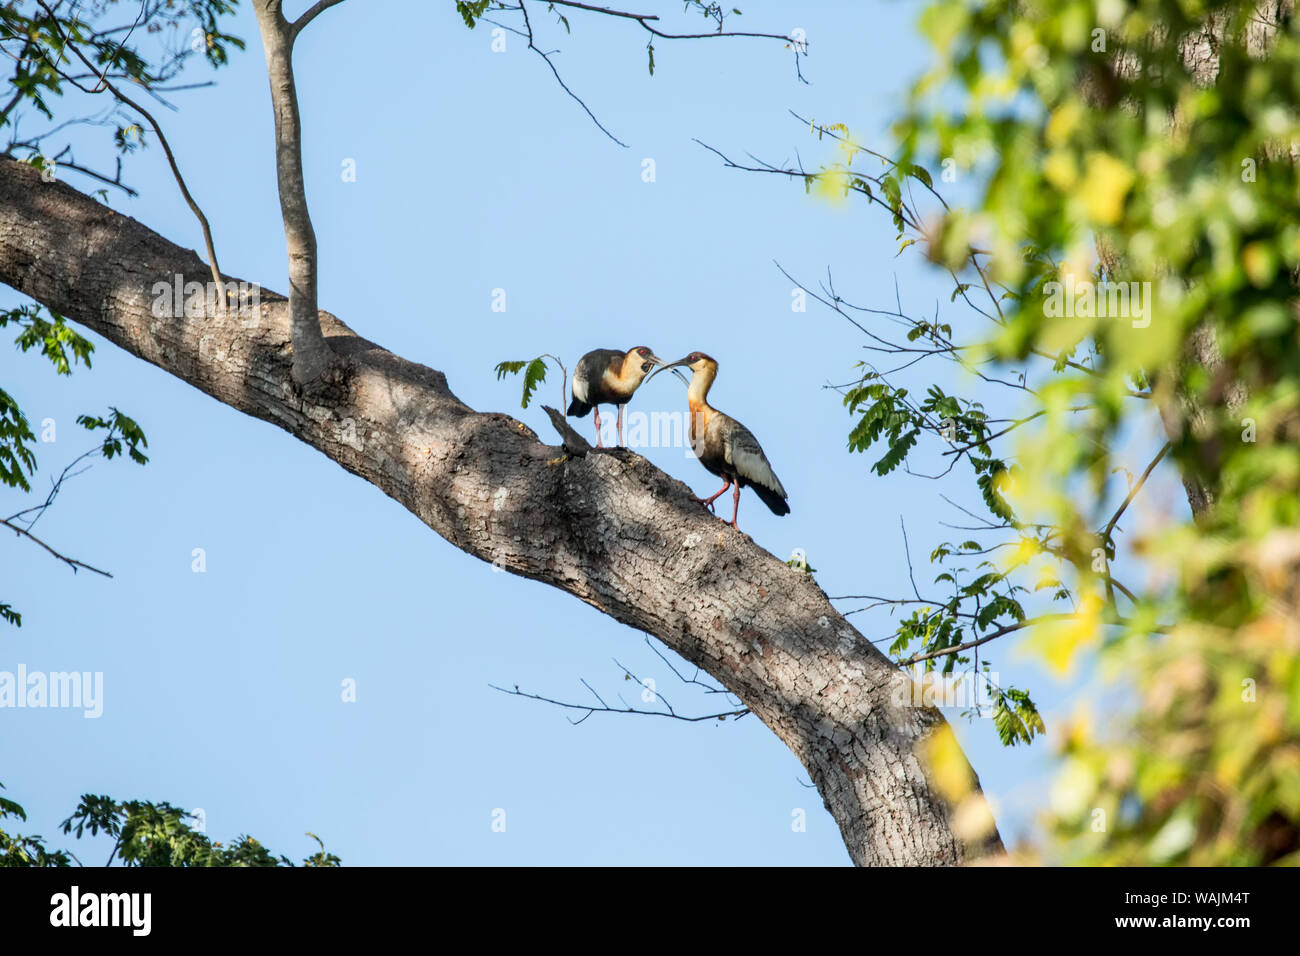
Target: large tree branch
[608,527]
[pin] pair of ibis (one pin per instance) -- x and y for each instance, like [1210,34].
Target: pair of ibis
[723,445]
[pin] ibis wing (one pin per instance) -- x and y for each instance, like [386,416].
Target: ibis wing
[743,453]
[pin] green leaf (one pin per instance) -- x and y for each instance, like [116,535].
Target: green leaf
[9,808]
[17,460]
[897,452]
[509,368]
[471,10]
[121,428]
[1016,719]
[534,376]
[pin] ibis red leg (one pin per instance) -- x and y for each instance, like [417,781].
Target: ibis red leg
[621,442]
[708,502]
[736,510]
[596,409]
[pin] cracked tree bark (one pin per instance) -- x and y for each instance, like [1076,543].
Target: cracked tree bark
[610,529]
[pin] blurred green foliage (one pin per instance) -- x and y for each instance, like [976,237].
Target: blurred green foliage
[1149,142]
[143,834]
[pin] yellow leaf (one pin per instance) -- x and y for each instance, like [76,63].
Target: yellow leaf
[1064,120]
[1060,170]
[972,821]
[833,185]
[947,764]
[1060,641]
[1073,790]
[1259,262]
[1026,550]
[1107,181]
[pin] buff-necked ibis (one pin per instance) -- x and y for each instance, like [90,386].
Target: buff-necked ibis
[724,446]
[609,377]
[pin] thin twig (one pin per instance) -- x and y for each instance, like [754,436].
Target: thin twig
[70,562]
[1133,492]
[559,79]
[171,158]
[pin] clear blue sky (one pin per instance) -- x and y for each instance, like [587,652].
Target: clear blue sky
[474,172]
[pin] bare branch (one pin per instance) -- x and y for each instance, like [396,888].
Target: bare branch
[311,354]
[73,165]
[162,138]
[708,688]
[601,707]
[1133,493]
[646,19]
[99,87]
[314,11]
[55,487]
[70,562]
[559,79]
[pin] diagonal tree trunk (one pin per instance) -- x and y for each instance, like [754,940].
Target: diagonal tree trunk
[610,529]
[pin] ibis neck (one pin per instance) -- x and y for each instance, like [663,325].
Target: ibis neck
[698,393]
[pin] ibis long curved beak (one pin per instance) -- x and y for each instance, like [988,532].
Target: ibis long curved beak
[664,366]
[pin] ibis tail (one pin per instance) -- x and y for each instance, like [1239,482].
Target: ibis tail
[770,498]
